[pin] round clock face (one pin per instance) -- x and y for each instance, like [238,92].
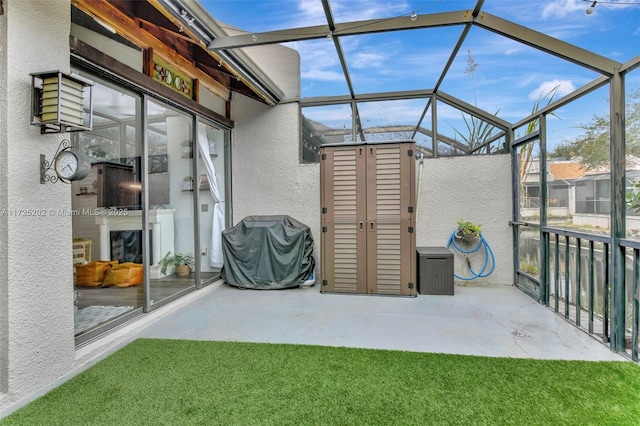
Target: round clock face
[72,165]
[66,164]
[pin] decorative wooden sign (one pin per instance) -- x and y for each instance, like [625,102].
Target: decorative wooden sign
[169,75]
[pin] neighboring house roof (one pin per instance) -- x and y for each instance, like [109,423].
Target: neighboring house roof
[632,175]
[566,170]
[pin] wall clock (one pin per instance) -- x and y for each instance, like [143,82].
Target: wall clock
[72,165]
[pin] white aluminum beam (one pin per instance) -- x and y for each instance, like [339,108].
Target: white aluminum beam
[475,111]
[344,29]
[365,97]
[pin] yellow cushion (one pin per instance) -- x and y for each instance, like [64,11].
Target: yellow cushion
[124,275]
[92,274]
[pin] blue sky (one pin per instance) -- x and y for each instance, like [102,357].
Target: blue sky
[509,76]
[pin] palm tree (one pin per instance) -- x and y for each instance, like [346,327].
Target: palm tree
[527,152]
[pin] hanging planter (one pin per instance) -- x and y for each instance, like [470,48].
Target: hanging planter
[467,231]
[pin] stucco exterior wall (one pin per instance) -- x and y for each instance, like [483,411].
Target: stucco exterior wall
[284,70]
[3,202]
[475,188]
[267,177]
[36,280]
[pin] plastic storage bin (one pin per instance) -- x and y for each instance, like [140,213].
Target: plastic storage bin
[435,271]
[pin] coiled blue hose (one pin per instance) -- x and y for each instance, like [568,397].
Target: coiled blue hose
[488,255]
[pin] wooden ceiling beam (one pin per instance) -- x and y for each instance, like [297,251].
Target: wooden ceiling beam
[153,28]
[134,30]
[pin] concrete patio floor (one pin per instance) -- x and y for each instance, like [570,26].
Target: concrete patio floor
[479,320]
[499,321]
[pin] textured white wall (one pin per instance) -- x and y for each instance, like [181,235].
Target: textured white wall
[475,188]
[267,177]
[4,136]
[281,65]
[36,282]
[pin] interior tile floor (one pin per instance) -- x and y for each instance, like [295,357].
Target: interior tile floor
[478,320]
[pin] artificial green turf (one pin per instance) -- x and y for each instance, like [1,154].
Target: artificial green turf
[175,382]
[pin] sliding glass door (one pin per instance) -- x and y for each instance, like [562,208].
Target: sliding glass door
[147,221]
[170,187]
[106,213]
[213,147]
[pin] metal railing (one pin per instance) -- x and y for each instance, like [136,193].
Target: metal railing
[575,282]
[578,282]
[632,304]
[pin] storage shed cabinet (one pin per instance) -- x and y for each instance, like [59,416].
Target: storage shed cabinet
[367,197]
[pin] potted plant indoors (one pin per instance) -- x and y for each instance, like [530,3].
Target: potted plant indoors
[467,230]
[182,262]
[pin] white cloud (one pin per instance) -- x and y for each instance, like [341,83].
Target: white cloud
[318,60]
[561,8]
[336,116]
[391,113]
[368,60]
[322,75]
[561,87]
[311,13]
[361,10]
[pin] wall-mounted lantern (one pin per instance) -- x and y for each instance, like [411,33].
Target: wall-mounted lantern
[58,102]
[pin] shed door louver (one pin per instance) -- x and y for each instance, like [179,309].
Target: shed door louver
[367,195]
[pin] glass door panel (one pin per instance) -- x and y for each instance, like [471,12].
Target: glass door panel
[170,191]
[212,152]
[107,213]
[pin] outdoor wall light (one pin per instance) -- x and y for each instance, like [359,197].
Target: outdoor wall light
[57,102]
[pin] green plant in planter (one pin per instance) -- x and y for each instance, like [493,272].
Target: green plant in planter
[177,259]
[468,230]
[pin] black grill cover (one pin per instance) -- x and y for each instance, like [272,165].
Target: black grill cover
[267,252]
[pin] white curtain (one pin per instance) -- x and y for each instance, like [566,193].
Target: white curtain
[215,247]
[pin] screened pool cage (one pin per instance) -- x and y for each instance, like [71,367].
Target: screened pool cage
[576,232]
[377,120]
[576,244]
